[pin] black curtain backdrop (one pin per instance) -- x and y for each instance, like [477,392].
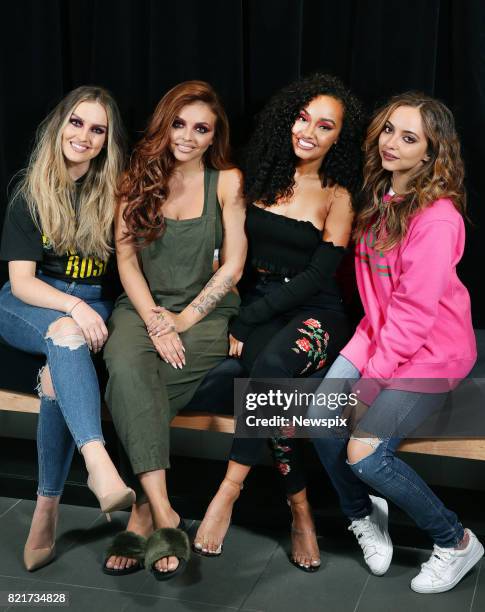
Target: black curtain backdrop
[247,49]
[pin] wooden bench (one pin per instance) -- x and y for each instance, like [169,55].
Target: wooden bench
[465,448]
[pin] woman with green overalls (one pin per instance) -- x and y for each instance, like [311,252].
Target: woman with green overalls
[181,249]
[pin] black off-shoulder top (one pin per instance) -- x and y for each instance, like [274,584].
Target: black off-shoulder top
[280,244]
[295,250]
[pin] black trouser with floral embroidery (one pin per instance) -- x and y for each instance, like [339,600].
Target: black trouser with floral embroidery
[294,344]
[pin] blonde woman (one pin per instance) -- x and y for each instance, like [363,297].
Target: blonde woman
[56,238]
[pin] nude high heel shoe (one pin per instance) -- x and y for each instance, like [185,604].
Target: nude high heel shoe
[34,558]
[123,498]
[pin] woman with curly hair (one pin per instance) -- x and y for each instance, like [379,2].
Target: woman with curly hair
[301,173]
[57,239]
[416,340]
[181,212]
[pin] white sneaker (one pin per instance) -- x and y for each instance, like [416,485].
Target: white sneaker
[447,566]
[373,537]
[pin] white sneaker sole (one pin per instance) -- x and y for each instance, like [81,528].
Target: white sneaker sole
[473,560]
[383,509]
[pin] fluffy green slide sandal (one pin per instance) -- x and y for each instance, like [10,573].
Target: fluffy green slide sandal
[167,542]
[126,544]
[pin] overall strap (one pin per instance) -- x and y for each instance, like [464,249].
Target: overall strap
[210,192]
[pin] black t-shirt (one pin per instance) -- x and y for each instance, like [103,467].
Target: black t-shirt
[23,241]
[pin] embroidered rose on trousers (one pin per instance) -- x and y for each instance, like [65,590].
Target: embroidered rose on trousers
[284,469]
[304,344]
[314,345]
[312,323]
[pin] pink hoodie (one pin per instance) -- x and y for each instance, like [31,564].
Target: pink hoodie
[417,321]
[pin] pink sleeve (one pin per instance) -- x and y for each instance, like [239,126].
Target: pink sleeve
[427,263]
[358,348]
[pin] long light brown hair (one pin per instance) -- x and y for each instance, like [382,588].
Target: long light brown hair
[441,176]
[145,183]
[49,190]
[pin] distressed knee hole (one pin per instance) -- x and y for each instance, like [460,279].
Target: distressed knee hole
[44,387]
[65,332]
[356,452]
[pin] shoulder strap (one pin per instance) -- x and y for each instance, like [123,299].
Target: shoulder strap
[211,178]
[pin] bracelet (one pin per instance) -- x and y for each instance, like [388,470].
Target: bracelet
[69,312]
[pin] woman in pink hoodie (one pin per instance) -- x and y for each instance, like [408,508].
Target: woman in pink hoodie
[416,340]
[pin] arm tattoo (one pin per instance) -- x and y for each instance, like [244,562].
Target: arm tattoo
[212,293]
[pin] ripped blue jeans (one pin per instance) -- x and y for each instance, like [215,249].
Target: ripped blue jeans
[382,469]
[72,418]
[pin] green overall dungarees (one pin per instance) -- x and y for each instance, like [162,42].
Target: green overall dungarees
[144,393]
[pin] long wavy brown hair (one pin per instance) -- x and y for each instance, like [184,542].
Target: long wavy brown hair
[144,186]
[441,176]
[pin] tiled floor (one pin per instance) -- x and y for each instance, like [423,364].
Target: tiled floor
[252,574]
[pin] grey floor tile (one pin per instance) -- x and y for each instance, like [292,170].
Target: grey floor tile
[14,528]
[226,580]
[6,504]
[80,564]
[253,574]
[12,584]
[392,593]
[478,601]
[336,586]
[82,599]
[142,602]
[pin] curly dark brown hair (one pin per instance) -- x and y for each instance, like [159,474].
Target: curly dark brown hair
[269,161]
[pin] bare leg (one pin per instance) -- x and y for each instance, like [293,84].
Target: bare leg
[43,527]
[163,515]
[104,477]
[140,522]
[217,519]
[305,549]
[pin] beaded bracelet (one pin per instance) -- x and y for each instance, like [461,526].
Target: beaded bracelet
[69,312]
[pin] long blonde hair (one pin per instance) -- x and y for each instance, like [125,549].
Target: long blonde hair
[49,190]
[440,176]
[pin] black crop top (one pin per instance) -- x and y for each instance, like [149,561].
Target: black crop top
[280,244]
[294,249]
